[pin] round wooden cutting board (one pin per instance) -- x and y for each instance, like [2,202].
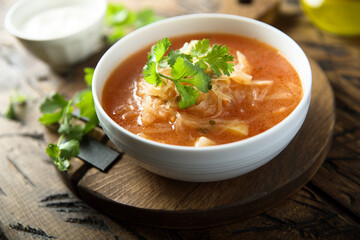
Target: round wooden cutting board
[130,193]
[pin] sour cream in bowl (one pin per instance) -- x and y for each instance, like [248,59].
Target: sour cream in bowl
[59,32]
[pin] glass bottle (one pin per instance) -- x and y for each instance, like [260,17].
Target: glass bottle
[336,16]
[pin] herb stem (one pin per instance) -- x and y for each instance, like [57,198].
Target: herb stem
[61,138]
[167,77]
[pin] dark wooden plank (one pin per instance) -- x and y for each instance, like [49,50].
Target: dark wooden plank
[307,215]
[340,176]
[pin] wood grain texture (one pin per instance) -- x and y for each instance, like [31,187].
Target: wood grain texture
[130,193]
[35,204]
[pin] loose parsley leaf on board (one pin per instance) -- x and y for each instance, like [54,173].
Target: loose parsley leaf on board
[56,109]
[16,99]
[188,68]
[52,108]
[52,103]
[61,153]
[87,110]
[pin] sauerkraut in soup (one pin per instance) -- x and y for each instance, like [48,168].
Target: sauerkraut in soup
[262,90]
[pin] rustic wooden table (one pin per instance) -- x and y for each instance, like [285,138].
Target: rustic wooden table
[35,203]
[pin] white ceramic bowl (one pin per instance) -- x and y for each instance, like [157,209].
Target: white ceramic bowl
[211,163]
[54,38]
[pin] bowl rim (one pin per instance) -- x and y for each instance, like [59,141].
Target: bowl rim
[9,26]
[304,102]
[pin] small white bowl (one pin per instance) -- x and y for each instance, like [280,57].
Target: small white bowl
[211,163]
[59,32]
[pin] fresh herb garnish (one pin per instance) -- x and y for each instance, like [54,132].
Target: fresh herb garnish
[121,20]
[188,67]
[17,99]
[57,110]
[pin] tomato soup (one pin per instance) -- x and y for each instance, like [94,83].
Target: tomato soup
[263,91]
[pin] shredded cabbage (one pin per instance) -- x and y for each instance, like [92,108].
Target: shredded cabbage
[160,103]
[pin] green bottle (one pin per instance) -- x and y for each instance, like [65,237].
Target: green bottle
[340,17]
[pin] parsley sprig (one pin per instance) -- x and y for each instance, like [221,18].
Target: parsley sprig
[57,110]
[188,68]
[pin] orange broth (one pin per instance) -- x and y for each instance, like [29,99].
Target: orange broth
[266,63]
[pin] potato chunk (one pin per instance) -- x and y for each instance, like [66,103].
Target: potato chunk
[203,142]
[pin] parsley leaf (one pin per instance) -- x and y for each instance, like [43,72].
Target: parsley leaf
[200,48]
[60,154]
[69,149]
[188,95]
[120,20]
[50,118]
[52,108]
[184,71]
[87,110]
[173,55]
[53,102]
[151,75]
[53,151]
[117,14]
[9,113]
[145,17]
[56,109]
[16,99]
[89,72]
[158,50]
[188,67]
[218,58]
[156,55]
[72,132]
